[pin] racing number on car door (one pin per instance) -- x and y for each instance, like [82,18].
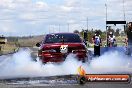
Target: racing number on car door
[64,48]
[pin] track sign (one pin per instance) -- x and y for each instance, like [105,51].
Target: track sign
[3,40]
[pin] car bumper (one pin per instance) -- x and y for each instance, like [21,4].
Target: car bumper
[59,57]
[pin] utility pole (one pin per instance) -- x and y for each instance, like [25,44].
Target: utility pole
[106,11]
[87,23]
[106,24]
[124,10]
[124,14]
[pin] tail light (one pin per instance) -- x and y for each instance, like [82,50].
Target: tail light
[45,51]
[79,50]
[52,51]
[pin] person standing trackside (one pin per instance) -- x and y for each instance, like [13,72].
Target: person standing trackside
[126,42]
[97,43]
[111,40]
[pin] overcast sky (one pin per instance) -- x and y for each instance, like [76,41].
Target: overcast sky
[34,17]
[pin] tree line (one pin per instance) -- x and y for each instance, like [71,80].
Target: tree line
[91,33]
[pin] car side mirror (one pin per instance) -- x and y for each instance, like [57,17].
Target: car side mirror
[38,44]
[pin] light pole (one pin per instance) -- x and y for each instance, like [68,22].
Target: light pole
[106,25]
[124,14]
[87,23]
[106,11]
[124,10]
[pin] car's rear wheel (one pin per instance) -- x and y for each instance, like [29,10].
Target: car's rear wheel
[41,59]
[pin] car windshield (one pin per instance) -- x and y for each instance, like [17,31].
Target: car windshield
[66,38]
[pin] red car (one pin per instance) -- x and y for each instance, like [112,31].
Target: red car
[55,47]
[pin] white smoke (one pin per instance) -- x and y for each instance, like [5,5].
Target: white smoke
[112,62]
[21,64]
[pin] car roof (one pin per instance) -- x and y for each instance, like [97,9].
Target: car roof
[62,33]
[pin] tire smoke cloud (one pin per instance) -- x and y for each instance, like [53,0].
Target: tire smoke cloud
[21,64]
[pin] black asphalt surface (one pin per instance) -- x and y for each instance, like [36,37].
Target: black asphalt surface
[66,81]
[88,85]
